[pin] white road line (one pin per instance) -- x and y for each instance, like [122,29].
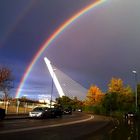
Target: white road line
[48,126]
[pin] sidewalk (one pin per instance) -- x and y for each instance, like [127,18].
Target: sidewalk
[16,116]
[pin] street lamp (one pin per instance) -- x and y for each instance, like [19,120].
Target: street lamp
[52,86]
[136,94]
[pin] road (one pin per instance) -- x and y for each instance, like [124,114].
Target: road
[76,126]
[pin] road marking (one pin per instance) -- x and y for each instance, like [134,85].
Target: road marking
[48,126]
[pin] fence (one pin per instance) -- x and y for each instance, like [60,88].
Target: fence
[18,107]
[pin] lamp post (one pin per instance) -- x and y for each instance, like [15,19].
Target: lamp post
[136,94]
[52,87]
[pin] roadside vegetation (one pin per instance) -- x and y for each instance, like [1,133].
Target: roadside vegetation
[118,99]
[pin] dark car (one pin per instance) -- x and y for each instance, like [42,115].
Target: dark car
[45,112]
[67,111]
[130,115]
[2,114]
[57,112]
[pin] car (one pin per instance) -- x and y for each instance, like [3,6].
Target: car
[130,115]
[41,112]
[67,111]
[45,112]
[57,112]
[2,114]
[79,110]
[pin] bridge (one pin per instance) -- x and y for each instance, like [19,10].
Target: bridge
[65,85]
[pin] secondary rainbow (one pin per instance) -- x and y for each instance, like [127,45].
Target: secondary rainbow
[51,39]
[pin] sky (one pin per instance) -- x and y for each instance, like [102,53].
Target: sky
[101,44]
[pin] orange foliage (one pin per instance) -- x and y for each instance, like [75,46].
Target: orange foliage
[94,95]
[115,85]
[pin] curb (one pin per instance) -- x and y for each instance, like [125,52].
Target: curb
[16,116]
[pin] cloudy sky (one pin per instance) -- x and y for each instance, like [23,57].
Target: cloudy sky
[101,44]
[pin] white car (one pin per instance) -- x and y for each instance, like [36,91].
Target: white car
[39,112]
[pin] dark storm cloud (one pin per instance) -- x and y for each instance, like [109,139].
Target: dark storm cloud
[25,25]
[99,45]
[32,28]
[102,44]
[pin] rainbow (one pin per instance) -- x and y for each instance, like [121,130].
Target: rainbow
[51,39]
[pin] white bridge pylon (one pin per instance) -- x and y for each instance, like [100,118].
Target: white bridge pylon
[53,75]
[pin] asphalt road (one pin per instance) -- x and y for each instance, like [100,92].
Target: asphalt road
[77,126]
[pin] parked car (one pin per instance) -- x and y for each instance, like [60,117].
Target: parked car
[45,112]
[2,114]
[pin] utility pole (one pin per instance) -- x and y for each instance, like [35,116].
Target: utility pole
[136,94]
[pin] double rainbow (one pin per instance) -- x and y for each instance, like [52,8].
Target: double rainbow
[51,39]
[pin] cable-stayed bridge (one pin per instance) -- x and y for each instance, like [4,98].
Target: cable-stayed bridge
[66,85]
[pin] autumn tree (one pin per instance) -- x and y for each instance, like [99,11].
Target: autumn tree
[6,82]
[94,95]
[122,95]
[115,85]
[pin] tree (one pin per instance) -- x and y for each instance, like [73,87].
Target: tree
[64,101]
[76,104]
[115,85]
[6,82]
[109,102]
[94,95]
[123,95]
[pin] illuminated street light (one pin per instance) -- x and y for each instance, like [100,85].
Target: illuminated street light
[134,71]
[136,94]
